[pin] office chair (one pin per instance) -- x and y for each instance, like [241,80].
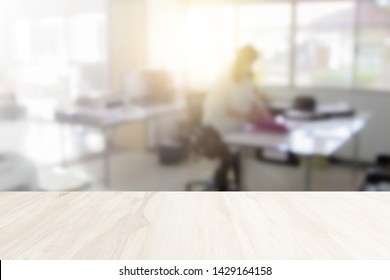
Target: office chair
[206,141]
[378,177]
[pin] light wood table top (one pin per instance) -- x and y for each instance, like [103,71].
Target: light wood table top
[64,226]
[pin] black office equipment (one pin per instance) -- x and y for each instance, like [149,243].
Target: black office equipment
[305,104]
[307,108]
[378,176]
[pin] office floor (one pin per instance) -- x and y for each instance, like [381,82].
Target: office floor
[112,225]
[140,171]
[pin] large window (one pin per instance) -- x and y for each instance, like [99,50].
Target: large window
[267,27]
[60,55]
[303,43]
[54,49]
[373,48]
[324,43]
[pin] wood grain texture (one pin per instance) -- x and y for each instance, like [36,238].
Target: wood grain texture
[223,226]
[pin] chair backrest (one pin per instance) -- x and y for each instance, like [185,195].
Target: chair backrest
[209,143]
[205,140]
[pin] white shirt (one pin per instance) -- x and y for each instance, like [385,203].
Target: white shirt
[225,94]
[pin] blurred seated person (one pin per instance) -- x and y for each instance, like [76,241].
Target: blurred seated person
[232,102]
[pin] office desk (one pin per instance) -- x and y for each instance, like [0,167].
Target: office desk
[108,119]
[308,139]
[110,225]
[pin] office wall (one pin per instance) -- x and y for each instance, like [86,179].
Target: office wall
[127,53]
[127,39]
[376,136]
[165,35]
[164,51]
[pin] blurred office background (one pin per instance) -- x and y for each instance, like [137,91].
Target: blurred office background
[58,53]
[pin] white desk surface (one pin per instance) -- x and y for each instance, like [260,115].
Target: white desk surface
[321,137]
[102,117]
[194,226]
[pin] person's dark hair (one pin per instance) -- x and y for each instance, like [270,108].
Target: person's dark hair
[245,55]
